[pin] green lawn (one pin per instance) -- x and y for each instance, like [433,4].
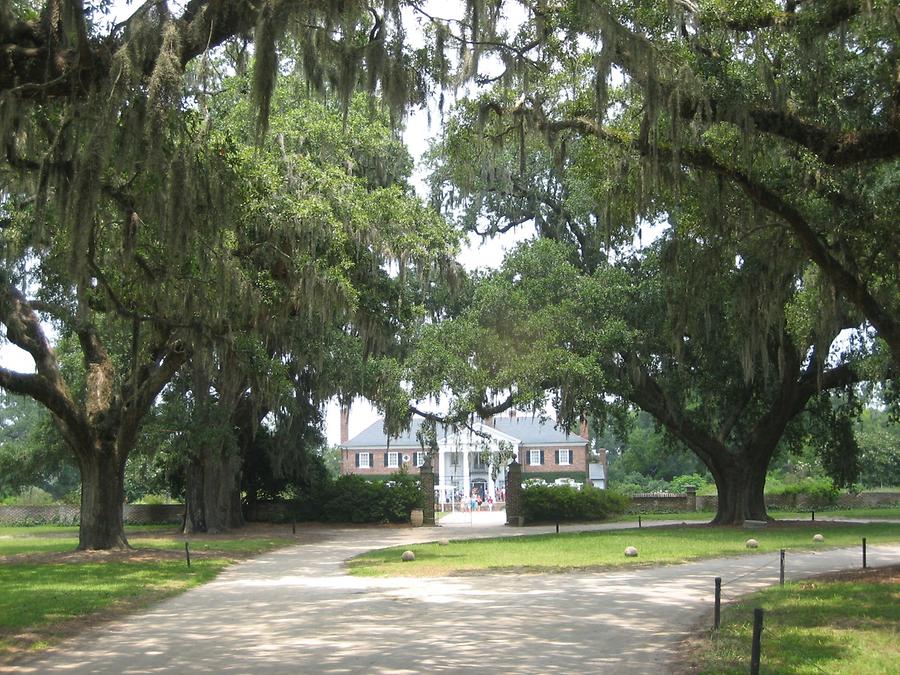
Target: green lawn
[690,516]
[37,530]
[587,550]
[59,539]
[40,600]
[40,593]
[813,626]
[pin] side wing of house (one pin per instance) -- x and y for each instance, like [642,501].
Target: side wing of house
[370,454]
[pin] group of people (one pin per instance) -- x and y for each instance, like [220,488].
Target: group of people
[476,501]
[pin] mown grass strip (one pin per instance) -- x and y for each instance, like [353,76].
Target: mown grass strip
[587,550]
[72,530]
[821,514]
[44,601]
[34,594]
[812,626]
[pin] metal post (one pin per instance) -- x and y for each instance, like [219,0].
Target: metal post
[781,575]
[757,634]
[557,527]
[187,554]
[718,610]
[639,521]
[864,553]
[813,515]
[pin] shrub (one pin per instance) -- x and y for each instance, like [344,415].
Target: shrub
[354,499]
[818,491]
[680,483]
[154,500]
[634,482]
[31,496]
[562,503]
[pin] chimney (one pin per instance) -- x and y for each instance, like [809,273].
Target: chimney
[583,430]
[345,423]
[605,464]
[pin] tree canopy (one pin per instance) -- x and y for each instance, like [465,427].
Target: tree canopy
[165,200]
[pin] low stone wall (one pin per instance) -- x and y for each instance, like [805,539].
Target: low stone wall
[676,503]
[662,501]
[266,512]
[143,514]
[665,502]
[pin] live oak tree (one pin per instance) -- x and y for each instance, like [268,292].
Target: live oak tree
[807,134]
[119,183]
[793,105]
[725,344]
[758,122]
[337,247]
[611,337]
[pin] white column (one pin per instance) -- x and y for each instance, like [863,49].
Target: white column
[467,487]
[442,476]
[491,493]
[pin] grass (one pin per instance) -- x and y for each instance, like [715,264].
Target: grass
[46,599]
[37,530]
[813,626]
[59,539]
[595,550]
[690,516]
[34,594]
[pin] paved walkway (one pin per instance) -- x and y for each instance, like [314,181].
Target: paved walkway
[296,611]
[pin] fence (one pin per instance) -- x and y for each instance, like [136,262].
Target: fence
[147,514]
[144,514]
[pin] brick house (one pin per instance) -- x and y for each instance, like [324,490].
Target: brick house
[543,451]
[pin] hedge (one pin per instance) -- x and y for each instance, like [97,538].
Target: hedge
[354,499]
[552,503]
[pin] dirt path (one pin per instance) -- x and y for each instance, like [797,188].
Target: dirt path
[295,610]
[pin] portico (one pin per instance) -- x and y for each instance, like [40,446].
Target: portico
[465,456]
[466,461]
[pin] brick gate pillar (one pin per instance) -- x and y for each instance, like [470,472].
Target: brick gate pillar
[428,479]
[514,494]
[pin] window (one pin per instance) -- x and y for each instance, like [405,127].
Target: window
[563,457]
[535,457]
[477,461]
[419,459]
[364,460]
[392,460]
[454,458]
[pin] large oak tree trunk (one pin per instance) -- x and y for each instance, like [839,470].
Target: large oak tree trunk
[741,488]
[102,500]
[213,499]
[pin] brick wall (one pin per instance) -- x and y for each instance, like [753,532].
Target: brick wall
[550,465]
[377,467]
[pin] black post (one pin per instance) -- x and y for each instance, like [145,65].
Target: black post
[718,610]
[813,515]
[557,527]
[781,576]
[757,634]
[639,521]
[864,553]
[187,554]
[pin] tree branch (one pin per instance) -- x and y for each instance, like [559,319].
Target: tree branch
[852,288]
[23,329]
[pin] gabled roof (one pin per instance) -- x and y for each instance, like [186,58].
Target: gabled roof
[526,430]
